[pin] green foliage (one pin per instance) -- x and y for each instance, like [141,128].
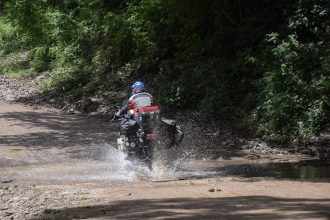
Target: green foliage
[243,61]
[39,57]
[9,41]
[62,79]
[15,65]
[295,89]
[27,17]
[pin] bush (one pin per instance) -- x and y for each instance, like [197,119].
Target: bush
[295,89]
[239,61]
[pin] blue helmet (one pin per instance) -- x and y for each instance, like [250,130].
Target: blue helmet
[137,85]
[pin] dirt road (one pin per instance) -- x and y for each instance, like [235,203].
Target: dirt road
[55,166]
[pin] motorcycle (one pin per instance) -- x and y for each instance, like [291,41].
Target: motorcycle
[139,136]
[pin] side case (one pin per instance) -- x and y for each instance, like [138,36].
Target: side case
[174,132]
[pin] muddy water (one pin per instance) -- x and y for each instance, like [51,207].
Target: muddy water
[113,167]
[41,146]
[299,170]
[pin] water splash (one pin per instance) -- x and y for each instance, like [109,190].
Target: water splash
[109,165]
[169,164]
[172,166]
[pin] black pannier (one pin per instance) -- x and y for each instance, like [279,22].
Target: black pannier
[173,131]
[128,126]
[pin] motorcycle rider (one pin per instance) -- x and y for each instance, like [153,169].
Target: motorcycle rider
[136,103]
[139,99]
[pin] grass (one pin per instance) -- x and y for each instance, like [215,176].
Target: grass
[13,62]
[15,65]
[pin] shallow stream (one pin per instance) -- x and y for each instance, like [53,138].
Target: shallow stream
[115,168]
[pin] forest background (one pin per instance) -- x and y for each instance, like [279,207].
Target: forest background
[260,65]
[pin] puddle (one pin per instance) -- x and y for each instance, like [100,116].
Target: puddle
[113,167]
[299,170]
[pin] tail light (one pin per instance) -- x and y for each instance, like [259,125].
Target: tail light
[151,136]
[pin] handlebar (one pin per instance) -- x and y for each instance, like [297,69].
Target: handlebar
[116,118]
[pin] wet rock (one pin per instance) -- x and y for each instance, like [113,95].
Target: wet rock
[215,190]
[47,211]
[8,213]
[87,105]
[71,111]
[3,208]
[7,181]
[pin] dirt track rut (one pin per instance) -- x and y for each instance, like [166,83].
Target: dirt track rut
[36,144]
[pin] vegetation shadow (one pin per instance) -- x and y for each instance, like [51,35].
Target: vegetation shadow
[247,207]
[77,135]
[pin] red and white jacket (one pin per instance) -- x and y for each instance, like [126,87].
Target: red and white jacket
[137,102]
